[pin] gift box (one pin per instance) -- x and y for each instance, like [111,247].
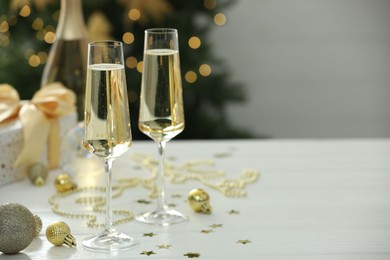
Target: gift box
[31,130]
[11,144]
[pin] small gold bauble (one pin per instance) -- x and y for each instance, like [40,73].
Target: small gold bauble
[58,233]
[37,173]
[199,201]
[64,183]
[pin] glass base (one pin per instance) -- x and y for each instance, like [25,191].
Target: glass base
[162,217]
[110,241]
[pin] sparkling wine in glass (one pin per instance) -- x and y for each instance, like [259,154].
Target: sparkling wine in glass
[161,115]
[107,128]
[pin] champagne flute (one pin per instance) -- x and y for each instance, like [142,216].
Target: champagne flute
[161,115]
[107,128]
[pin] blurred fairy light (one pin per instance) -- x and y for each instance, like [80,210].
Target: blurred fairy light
[190,76]
[42,57]
[220,19]
[56,15]
[205,70]
[134,14]
[40,35]
[210,4]
[34,60]
[38,24]
[140,66]
[50,37]
[194,42]
[4,40]
[128,38]
[25,11]
[131,62]
[4,26]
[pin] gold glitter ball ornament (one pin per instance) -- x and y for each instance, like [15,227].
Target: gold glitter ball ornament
[17,228]
[58,233]
[199,201]
[64,183]
[37,173]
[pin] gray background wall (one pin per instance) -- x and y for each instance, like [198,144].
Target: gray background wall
[311,68]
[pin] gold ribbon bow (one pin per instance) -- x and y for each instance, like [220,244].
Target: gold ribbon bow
[39,118]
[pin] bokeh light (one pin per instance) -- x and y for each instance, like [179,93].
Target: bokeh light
[140,66]
[25,11]
[131,62]
[50,37]
[38,24]
[194,42]
[4,26]
[210,4]
[34,60]
[220,19]
[134,14]
[190,76]
[128,38]
[205,70]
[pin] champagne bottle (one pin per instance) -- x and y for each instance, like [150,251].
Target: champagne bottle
[67,61]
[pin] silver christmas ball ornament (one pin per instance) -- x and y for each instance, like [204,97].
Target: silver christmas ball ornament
[17,228]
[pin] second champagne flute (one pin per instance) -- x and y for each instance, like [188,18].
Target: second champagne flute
[161,115]
[107,128]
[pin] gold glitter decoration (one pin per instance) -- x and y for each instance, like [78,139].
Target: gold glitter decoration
[143,201]
[199,201]
[190,170]
[148,253]
[58,233]
[244,241]
[207,231]
[64,183]
[164,246]
[192,255]
[97,203]
[149,234]
[232,211]
[216,225]
[197,170]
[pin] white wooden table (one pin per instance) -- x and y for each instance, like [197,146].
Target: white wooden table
[314,199]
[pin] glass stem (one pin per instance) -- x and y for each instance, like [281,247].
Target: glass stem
[107,166]
[160,176]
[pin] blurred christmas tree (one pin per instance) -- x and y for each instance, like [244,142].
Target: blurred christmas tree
[24,45]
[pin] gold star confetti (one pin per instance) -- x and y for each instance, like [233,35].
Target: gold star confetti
[192,255]
[148,253]
[231,212]
[216,225]
[206,231]
[222,155]
[143,201]
[149,234]
[164,246]
[244,241]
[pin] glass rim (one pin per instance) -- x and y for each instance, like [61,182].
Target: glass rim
[106,43]
[161,30]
